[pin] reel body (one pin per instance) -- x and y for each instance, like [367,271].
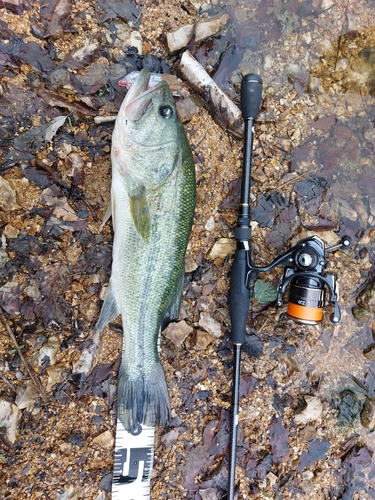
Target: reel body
[306,274]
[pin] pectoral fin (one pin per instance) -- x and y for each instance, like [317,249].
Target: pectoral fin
[109,309]
[141,214]
[107,215]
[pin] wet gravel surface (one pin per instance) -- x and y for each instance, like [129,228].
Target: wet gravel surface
[307,392]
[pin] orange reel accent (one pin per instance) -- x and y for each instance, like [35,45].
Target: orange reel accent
[304,313]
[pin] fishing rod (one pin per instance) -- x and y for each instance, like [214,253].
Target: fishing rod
[239,298]
[304,272]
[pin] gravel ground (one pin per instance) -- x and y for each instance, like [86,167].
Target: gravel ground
[306,408]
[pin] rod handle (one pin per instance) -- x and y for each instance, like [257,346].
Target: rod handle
[239,297]
[251,95]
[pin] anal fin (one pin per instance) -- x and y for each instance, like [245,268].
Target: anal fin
[172,312]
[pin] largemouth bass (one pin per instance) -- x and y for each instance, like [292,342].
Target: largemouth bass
[152,201]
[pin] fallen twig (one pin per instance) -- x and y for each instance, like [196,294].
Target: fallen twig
[104,119]
[32,375]
[224,111]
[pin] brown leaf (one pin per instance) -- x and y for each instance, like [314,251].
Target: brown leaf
[10,297]
[316,450]
[53,282]
[81,57]
[55,100]
[279,440]
[59,20]
[15,6]
[216,436]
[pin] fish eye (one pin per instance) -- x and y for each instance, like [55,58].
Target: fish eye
[166,111]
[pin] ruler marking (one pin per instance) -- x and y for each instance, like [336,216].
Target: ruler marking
[133,463]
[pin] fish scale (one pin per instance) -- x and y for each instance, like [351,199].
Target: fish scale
[153,201]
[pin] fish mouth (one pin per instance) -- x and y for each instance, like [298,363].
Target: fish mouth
[138,87]
[139,96]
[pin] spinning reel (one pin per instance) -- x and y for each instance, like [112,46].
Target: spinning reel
[305,272]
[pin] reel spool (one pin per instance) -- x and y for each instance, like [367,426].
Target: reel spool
[309,281]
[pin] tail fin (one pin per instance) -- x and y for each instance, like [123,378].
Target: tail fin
[142,398]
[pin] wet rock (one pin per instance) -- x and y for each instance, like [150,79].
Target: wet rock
[8,199]
[369,351]
[210,325]
[105,440]
[312,412]
[203,340]
[367,416]
[222,248]
[348,406]
[366,298]
[362,315]
[177,332]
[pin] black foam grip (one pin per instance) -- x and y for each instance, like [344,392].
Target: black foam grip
[251,95]
[239,297]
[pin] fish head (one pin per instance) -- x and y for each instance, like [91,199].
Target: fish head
[147,137]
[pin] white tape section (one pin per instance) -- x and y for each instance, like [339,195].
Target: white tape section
[134,456]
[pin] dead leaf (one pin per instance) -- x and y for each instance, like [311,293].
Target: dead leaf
[317,449]
[10,297]
[279,440]
[53,280]
[81,57]
[10,415]
[59,20]
[26,397]
[15,6]
[53,127]
[216,436]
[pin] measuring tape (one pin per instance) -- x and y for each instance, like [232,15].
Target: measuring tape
[134,457]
